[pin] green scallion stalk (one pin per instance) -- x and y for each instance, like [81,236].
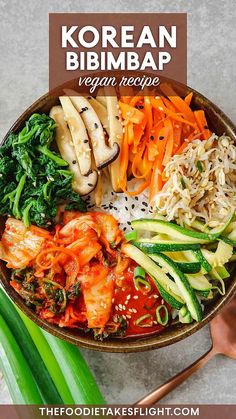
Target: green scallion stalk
[83,387]
[141,321]
[45,384]
[131,235]
[68,369]
[19,378]
[139,279]
[139,272]
[163,320]
[49,359]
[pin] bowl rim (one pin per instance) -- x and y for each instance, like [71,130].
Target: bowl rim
[124,345]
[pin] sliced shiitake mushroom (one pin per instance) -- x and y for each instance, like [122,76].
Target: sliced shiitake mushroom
[103,154]
[79,135]
[101,112]
[81,184]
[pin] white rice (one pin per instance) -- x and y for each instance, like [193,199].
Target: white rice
[123,207]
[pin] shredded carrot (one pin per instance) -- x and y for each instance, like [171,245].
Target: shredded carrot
[188,98]
[156,128]
[202,123]
[54,260]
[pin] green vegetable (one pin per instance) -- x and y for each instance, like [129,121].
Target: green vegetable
[189,267]
[68,370]
[131,235]
[139,272]
[206,266]
[184,315]
[83,387]
[178,233]
[182,283]
[167,288]
[200,166]
[165,246]
[19,378]
[142,321]
[29,350]
[163,320]
[33,179]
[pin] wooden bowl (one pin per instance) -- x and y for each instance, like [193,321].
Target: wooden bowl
[218,123]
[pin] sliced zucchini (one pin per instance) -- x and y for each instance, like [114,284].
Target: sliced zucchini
[227,240]
[168,295]
[199,282]
[168,289]
[177,232]
[174,231]
[165,246]
[189,267]
[184,315]
[206,266]
[183,256]
[183,284]
[205,295]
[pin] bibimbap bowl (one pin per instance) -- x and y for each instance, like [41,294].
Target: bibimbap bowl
[126,208]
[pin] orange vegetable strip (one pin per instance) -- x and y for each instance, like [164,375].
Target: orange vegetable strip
[178,102]
[177,136]
[138,133]
[125,99]
[187,141]
[172,114]
[135,100]
[156,179]
[188,98]
[170,142]
[52,250]
[182,107]
[168,104]
[130,133]
[130,113]
[148,112]
[202,123]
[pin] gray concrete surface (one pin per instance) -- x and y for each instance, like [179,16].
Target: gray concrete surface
[211,70]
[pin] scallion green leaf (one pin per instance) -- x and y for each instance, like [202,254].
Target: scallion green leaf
[163,320]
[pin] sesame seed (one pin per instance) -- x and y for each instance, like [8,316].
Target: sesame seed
[156,296]
[162,301]
[126,302]
[113,299]
[124,317]
[128,297]
[128,316]
[134,310]
[120,306]
[135,297]
[160,108]
[123,307]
